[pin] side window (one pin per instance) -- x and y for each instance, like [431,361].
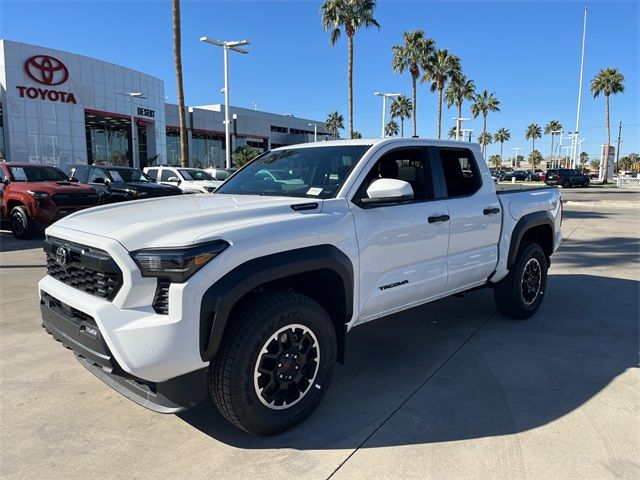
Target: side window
[80,173]
[166,174]
[95,173]
[153,173]
[461,174]
[408,164]
[3,175]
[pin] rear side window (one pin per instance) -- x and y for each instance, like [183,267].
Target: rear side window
[153,173]
[96,173]
[461,174]
[79,173]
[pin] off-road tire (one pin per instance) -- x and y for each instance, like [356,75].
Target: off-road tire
[510,292]
[232,373]
[21,224]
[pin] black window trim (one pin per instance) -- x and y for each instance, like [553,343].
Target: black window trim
[434,153]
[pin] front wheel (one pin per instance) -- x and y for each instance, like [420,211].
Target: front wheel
[274,364]
[21,224]
[520,293]
[585,184]
[566,184]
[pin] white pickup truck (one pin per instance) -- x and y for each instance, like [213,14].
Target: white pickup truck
[189,180]
[250,292]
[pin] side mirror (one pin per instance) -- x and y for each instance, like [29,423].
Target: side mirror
[387,191]
[98,180]
[173,180]
[74,180]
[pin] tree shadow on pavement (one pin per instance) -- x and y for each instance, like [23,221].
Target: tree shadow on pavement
[610,251]
[9,243]
[455,369]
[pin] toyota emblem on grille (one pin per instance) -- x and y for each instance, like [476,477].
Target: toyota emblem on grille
[62,256]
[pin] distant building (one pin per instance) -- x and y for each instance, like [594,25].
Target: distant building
[60,108]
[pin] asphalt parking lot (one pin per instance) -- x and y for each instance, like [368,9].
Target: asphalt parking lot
[447,390]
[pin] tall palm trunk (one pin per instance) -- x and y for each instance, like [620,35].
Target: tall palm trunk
[533,157]
[415,99]
[484,130]
[501,145]
[177,57]
[350,75]
[606,154]
[401,126]
[439,111]
[459,122]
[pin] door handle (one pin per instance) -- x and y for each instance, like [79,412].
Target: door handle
[491,211]
[438,218]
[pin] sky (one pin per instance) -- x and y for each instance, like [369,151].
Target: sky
[528,53]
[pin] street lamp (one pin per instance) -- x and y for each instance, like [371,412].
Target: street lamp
[384,106]
[515,161]
[134,151]
[235,46]
[464,131]
[315,131]
[459,121]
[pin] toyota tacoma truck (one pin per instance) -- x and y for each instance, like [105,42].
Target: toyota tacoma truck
[249,292]
[34,196]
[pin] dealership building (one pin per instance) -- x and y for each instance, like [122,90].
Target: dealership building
[60,108]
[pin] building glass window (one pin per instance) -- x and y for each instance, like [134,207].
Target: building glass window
[207,150]
[108,140]
[173,146]
[2,153]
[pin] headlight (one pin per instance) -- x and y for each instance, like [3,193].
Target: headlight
[177,264]
[38,195]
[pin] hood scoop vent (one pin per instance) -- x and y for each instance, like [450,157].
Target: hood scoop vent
[304,206]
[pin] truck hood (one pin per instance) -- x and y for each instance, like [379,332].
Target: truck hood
[54,187]
[180,220]
[142,187]
[202,183]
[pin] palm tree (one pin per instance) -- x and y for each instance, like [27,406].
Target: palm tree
[356,134]
[334,122]
[412,56]
[533,131]
[584,158]
[535,157]
[496,160]
[349,15]
[453,132]
[441,67]
[459,90]
[401,108]
[552,129]
[607,81]
[391,129]
[485,139]
[484,103]
[177,58]
[502,135]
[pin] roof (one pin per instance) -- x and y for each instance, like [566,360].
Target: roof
[379,141]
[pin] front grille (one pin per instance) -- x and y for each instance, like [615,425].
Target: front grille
[161,298]
[88,269]
[65,199]
[72,313]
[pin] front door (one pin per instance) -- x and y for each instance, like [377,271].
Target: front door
[402,247]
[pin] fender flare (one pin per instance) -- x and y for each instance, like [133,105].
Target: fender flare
[526,223]
[222,296]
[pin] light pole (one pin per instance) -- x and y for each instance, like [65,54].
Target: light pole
[315,131]
[567,150]
[459,121]
[515,161]
[235,46]
[554,132]
[464,131]
[384,106]
[134,151]
[575,145]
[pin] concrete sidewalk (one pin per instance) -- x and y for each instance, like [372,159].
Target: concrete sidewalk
[448,390]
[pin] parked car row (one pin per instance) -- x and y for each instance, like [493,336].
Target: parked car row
[34,196]
[565,177]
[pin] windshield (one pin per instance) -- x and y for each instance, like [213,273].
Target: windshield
[316,172]
[127,175]
[194,174]
[37,173]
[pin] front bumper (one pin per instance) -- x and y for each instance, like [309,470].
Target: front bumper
[79,332]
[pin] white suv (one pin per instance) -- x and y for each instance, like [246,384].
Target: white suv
[189,180]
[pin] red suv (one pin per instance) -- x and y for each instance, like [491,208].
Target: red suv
[34,196]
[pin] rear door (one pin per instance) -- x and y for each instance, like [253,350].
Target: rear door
[475,216]
[402,247]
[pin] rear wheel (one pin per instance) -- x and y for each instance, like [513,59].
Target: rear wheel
[585,184]
[566,184]
[21,224]
[275,363]
[520,293]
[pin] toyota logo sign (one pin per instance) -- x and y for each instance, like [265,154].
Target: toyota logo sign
[46,70]
[62,256]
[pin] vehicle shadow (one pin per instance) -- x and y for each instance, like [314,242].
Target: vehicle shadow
[455,369]
[9,243]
